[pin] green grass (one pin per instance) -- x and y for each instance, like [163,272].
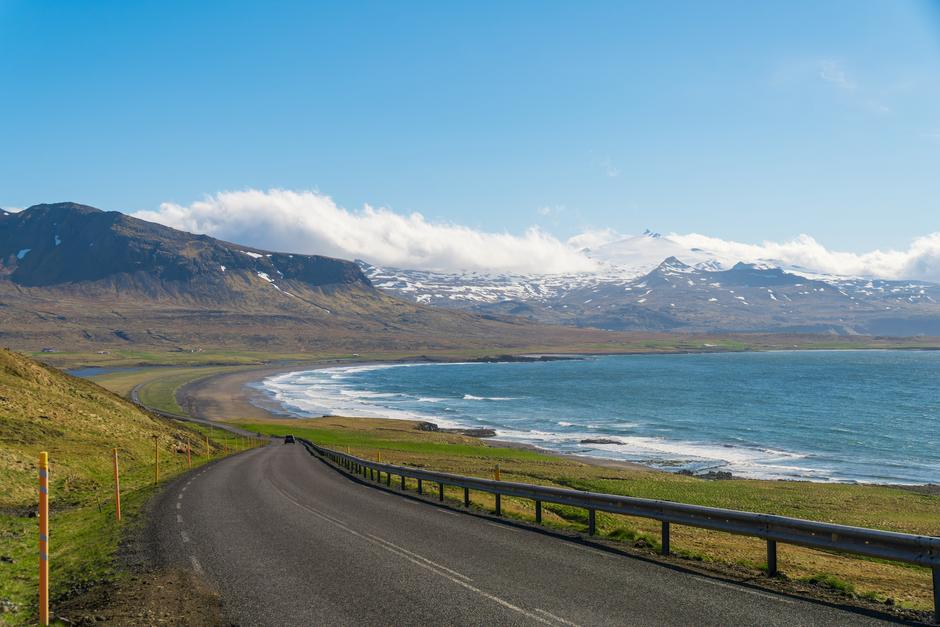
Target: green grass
[78,423]
[880,507]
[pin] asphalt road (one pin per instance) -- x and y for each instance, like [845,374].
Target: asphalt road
[287,540]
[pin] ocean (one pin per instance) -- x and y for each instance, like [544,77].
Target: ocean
[846,416]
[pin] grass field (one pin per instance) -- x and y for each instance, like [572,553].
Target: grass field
[78,423]
[878,507]
[158,385]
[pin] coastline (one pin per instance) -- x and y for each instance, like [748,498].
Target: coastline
[230,396]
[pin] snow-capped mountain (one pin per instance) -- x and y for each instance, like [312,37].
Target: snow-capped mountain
[650,282]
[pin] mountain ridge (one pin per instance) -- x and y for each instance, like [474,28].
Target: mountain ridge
[73,277]
[706,296]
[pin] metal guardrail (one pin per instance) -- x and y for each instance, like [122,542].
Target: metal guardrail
[889,545]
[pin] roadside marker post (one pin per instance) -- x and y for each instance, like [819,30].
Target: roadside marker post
[496,473]
[189,454]
[207,448]
[43,538]
[117,488]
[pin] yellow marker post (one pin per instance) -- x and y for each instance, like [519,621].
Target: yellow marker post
[117,487]
[207,447]
[189,454]
[496,472]
[156,459]
[43,538]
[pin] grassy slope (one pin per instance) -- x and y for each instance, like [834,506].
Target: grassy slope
[869,506]
[78,423]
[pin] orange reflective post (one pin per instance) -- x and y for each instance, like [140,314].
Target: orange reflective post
[43,538]
[496,473]
[117,487]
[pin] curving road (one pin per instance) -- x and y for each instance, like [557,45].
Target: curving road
[287,540]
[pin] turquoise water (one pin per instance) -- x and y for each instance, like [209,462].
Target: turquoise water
[867,416]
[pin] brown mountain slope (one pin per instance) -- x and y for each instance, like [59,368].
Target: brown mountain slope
[76,278]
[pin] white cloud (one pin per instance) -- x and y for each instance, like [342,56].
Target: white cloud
[832,71]
[310,222]
[593,238]
[920,261]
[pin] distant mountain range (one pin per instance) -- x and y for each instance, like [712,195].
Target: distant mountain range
[75,277]
[651,283]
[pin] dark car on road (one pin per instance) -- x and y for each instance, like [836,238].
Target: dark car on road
[288,439]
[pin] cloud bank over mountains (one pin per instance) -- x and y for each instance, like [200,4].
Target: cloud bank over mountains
[311,222]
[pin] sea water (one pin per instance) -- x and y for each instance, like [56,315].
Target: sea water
[863,416]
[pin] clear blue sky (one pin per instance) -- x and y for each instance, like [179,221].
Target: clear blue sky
[740,120]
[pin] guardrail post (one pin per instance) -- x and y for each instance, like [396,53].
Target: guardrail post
[466,497]
[592,522]
[403,482]
[771,558]
[498,506]
[388,479]
[44,538]
[440,492]
[420,487]
[665,540]
[538,512]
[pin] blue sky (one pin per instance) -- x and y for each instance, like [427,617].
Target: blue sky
[745,121]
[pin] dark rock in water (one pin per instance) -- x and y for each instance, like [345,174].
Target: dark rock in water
[600,441]
[471,432]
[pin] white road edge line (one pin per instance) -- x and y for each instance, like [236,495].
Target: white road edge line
[499,526]
[557,618]
[196,565]
[179,519]
[184,536]
[426,566]
[178,504]
[731,586]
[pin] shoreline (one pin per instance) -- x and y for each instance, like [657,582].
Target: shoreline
[232,396]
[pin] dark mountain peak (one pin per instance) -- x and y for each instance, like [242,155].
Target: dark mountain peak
[757,275]
[57,211]
[52,244]
[674,264]
[651,234]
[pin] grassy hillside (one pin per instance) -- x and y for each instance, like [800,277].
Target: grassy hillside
[880,507]
[78,423]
